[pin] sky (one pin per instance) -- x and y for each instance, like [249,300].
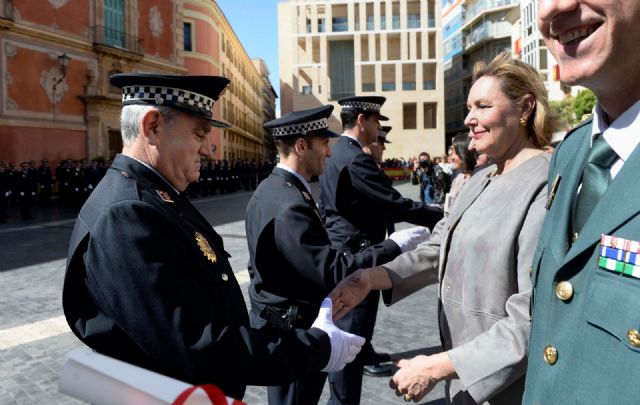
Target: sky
[255,22]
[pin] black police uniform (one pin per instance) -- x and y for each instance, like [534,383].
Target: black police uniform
[149,282]
[358,203]
[292,264]
[46,182]
[26,187]
[4,197]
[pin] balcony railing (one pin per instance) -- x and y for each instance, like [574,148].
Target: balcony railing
[6,9]
[486,31]
[478,7]
[113,38]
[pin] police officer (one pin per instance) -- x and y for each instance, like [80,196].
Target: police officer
[376,150]
[4,193]
[293,266]
[148,280]
[46,181]
[26,190]
[585,333]
[358,204]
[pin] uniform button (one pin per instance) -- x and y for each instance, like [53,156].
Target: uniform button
[634,337]
[224,277]
[550,355]
[530,271]
[448,289]
[564,290]
[125,174]
[574,237]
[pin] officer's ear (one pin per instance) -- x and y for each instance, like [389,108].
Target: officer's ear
[300,146]
[149,126]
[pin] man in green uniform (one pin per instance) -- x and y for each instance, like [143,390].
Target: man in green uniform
[585,339]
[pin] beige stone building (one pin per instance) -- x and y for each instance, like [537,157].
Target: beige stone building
[338,48]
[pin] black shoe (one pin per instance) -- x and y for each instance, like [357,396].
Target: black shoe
[379,370]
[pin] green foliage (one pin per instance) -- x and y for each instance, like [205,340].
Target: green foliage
[584,103]
[564,110]
[572,109]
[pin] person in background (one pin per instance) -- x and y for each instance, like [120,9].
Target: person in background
[463,162]
[5,192]
[480,255]
[432,181]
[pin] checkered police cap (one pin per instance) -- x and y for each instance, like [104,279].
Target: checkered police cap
[311,122]
[383,132]
[195,95]
[363,104]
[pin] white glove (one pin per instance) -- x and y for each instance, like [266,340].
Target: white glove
[409,239]
[7,194]
[344,346]
[22,194]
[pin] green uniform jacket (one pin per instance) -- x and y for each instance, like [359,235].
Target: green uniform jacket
[596,361]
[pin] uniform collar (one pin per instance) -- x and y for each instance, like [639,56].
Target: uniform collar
[156,173]
[623,135]
[304,182]
[352,137]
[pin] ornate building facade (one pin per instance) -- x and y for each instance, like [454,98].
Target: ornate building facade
[56,58]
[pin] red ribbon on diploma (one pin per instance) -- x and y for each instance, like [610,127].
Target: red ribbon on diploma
[215,394]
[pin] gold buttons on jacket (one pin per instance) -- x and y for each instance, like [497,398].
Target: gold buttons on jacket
[224,277]
[564,290]
[634,337]
[550,355]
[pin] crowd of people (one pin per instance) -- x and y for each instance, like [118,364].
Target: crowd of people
[72,181]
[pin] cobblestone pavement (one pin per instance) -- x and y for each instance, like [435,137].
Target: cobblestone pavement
[34,337]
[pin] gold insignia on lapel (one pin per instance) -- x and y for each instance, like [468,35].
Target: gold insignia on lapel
[306,196]
[204,246]
[552,193]
[165,196]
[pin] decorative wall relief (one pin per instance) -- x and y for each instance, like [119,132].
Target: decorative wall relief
[10,105]
[155,21]
[9,49]
[58,3]
[52,85]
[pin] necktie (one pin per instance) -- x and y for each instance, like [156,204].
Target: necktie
[595,180]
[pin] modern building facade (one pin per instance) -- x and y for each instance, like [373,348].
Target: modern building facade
[393,48]
[56,57]
[474,30]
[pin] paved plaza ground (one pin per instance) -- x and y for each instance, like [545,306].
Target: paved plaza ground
[34,337]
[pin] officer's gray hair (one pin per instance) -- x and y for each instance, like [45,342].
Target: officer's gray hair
[131,117]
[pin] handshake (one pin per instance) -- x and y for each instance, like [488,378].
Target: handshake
[344,346]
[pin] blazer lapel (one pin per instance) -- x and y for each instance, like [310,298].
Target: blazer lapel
[619,203]
[455,216]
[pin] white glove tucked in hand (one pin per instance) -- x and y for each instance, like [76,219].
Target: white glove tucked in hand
[344,346]
[409,239]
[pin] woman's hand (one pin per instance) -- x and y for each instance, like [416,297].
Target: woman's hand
[418,376]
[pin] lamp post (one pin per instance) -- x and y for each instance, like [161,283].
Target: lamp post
[63,62]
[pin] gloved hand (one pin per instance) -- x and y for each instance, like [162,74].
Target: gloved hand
[22,194]
[7,193]
[344,346]
[408,239]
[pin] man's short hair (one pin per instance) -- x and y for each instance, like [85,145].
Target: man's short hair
[131,117]
[285,145]
[349,117]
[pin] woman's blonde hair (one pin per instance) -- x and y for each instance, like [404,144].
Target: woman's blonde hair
[517,79]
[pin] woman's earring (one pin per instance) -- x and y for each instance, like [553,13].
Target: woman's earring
[523,122]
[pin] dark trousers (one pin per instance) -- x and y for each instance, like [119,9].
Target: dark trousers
[4,206]
[25,207]
[346,385]
[305,391]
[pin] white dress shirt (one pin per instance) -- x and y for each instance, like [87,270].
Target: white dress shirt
[623,135]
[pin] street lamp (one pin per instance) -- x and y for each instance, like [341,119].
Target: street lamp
[63,62]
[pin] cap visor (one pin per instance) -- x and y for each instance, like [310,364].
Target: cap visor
[383,117]
[218,124]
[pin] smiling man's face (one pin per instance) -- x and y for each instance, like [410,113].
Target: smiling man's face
[594,41]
